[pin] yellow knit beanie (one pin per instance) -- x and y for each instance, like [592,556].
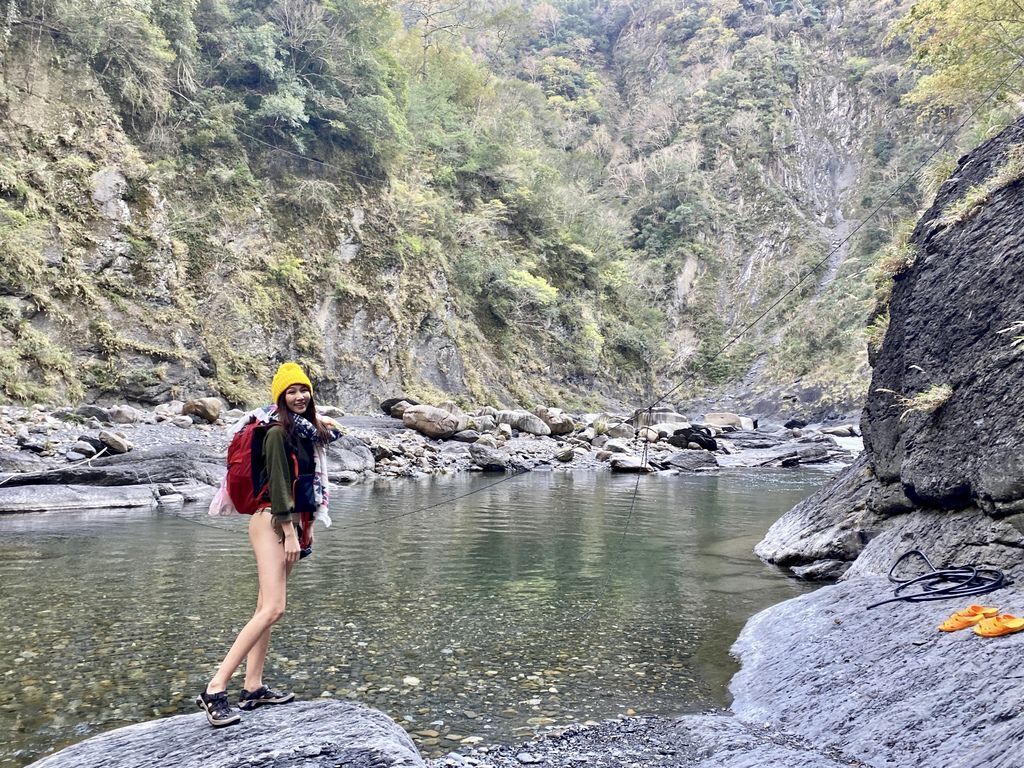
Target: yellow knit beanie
[287,375]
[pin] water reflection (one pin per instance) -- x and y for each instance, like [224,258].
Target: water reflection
[521,606]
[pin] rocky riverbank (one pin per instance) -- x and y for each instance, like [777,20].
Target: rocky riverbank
[91,456]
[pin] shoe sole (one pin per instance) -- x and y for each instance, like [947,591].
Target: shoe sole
[213,721]
[250,704]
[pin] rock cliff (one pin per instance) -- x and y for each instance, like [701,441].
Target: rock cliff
[943,436]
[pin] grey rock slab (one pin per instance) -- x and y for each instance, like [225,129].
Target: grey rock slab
[883,686]
[821,570]
[55,498]
[728,743]
[790,454]
[318,734]
[176,465]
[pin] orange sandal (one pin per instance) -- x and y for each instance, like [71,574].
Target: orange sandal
[1006,624]
[968,617]
[987,611]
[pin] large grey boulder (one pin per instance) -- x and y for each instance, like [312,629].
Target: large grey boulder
[115,442]
[430,421]
[559,422]
[960,451]
[126,414]
[86,411]
[206,408]
[349,454]
[386,406]
[309,734]
[693,461]
[524,421]
[629,464]
[723,419]
[489,459]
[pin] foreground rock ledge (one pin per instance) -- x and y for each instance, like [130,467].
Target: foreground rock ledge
[311,734]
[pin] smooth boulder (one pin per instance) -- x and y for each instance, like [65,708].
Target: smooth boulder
[125,414]
[430,421]
[723,419]
[56,498]
[206,408]
[694,461]
[387,405]
[559,422]
[114,442]
[349,454]
[306,734]
[524,421]
[489,459]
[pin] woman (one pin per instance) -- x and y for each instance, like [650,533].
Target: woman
[281,531]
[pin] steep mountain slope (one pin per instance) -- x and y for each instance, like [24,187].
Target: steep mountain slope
[192,193]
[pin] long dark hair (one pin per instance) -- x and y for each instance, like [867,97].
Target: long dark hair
[285,416]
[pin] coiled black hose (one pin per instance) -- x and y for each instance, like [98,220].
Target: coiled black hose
[943,583]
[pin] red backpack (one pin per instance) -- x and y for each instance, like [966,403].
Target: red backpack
[247,477]
[247,481]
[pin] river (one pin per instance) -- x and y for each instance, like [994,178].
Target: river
[525,605]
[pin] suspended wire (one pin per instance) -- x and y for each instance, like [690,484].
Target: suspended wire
[617,549]
[449,500]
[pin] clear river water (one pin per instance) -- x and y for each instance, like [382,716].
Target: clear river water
[523,606]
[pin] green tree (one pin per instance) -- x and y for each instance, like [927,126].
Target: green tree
[965,47]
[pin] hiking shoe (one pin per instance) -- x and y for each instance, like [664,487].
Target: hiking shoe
[263,695]
[218,710]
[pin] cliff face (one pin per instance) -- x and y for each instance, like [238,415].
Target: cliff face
[944,441]
[956,315]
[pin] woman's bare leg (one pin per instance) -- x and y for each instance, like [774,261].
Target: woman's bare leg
[273,576]
[258,655]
